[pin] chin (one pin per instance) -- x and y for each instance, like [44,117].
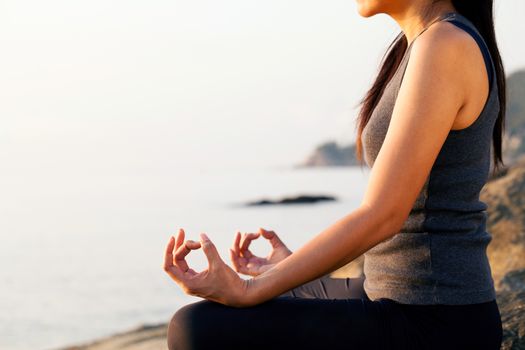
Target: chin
[368,8]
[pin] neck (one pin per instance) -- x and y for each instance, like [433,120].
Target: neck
[414,18]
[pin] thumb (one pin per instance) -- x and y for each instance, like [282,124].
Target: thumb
[209,250]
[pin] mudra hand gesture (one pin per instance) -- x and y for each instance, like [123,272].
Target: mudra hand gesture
[219,282]
[245,262]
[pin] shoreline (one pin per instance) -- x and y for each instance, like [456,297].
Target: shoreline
[146,336]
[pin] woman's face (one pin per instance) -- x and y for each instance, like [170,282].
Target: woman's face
[367,8]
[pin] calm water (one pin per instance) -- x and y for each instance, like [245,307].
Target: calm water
[81,256]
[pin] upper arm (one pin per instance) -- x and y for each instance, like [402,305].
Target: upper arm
[430,96]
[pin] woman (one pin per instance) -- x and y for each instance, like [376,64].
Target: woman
[425,128]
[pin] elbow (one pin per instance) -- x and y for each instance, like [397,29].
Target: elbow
[397,222]
[388,220]
[397,217]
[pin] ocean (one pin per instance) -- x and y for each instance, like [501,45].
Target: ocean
[81,256]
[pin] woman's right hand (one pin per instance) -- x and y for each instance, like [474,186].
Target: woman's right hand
[245,262]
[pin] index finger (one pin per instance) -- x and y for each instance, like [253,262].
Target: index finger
[168,253]
[245,243]
[236,243]
[171,269]
[184,250]
[180,238]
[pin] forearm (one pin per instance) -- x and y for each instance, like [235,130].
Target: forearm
[334,247]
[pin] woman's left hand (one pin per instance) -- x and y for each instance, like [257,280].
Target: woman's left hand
[218,282]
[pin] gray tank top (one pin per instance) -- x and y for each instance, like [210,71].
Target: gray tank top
[439,255]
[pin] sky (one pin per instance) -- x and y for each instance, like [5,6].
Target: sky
[127,86]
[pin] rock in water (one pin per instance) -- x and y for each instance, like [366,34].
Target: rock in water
[301,199]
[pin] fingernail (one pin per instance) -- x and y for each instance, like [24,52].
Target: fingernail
[204,237]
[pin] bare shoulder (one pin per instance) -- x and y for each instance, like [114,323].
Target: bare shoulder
[447,43]
[447,52]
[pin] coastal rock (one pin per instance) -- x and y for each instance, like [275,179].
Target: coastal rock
[514,140]
[513,281]
[303,199]
[505,198]
[511,302]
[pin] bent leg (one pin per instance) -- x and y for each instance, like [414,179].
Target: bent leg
[326,287]
[287,323]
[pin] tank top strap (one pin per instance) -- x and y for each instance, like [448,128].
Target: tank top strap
[438,19]
[404,61]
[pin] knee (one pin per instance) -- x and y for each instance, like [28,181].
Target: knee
[183,329]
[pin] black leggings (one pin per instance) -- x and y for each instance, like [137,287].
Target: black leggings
[332,314]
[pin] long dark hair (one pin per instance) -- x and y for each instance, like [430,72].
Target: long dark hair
[480,13]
